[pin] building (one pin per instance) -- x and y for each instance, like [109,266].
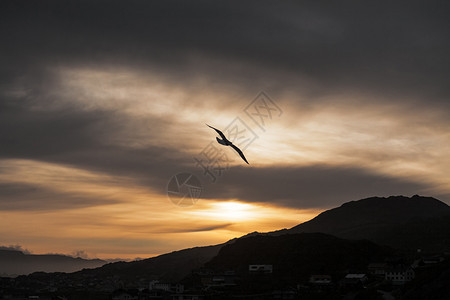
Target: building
[353,280]
[125,295]
[217,279]
[399,275]
[377,269]
[156,285]
[258,269]
[358,277]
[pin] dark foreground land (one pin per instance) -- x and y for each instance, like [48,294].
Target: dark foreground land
[375,248]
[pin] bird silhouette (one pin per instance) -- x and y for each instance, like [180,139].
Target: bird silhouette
[224,141]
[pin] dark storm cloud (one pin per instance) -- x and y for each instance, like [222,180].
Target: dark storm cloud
[386,47]
[38,130]
[27,132]
[29,197]
[307,187]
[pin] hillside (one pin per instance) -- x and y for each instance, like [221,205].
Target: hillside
[14,262]
[167,267]
[398,221]
[297,256]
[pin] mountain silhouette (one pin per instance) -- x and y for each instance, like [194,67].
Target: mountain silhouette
[13,262]
[400,222]
[297,256]
[169,267]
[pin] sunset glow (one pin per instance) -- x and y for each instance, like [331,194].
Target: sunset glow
[97,116]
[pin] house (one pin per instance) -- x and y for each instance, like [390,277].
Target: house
[358,277]
[399,275]
[320,280]
[353,280]
[377,269]
[260,269]
[217,279]
[156,285]
[125,295]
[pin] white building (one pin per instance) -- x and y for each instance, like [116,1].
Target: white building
[359,277]
[260,269]
[399,276]
[156,285]
[378,269]
[353,279]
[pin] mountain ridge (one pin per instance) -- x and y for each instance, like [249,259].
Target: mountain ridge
[15,262]
[378,218]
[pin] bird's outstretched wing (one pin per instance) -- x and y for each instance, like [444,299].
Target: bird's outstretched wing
[219,132]
[240,152]
[225,142]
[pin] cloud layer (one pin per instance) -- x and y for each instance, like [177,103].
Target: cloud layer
[101,102]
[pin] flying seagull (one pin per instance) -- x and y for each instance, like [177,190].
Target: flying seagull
[224,141]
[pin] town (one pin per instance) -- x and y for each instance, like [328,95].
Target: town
[380,280]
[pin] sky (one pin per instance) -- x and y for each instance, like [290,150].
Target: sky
[102,103]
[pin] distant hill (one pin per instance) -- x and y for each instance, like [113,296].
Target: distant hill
[13,262]
[170,267]
[296,256]
[397,221]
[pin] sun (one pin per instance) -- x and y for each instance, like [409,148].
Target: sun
[233,210]
[227,211]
